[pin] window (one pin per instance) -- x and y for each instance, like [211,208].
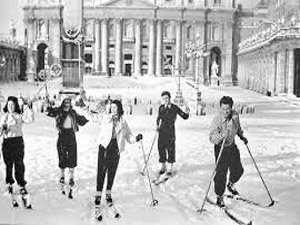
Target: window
[88,46]
[168,47]
[128,57]
[145,46]
[189,32]
[111,46]
[88,58]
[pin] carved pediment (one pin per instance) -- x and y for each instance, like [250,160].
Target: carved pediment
[129,4]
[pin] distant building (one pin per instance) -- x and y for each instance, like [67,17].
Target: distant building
[137,37]
[269,52]
[12,58]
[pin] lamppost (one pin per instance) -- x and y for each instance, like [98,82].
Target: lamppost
[2,62]
[195,52]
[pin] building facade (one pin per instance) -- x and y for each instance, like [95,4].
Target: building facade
[136,37]
[12,58]
[269,59]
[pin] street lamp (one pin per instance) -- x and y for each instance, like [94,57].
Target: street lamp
[3,61]
[196,52]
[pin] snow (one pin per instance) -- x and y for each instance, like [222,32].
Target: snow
[274,141]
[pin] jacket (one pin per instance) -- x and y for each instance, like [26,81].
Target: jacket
[105,121]
[219,124]
[14,123]
[60,116]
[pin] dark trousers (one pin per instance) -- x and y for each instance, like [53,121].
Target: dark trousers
[13,155]
[166,148]
[67,149]
[229,160]
[108,161]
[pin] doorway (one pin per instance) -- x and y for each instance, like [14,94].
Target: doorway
[128,70]
[42,57]
[297,72]
[215,61]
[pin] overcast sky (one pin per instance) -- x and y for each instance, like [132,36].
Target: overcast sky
[12,10]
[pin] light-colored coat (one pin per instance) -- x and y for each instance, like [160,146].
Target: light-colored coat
[14,123]
[105,122]
[220,123]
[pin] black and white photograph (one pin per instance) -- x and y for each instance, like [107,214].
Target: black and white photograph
[150,112]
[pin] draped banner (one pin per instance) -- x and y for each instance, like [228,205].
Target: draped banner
[72,17]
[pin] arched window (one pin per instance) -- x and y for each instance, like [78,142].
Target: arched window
[89,28]
[128,29]
[189,32]
[111,31]
[145,32]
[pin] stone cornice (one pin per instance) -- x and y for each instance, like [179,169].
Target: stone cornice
[282,34]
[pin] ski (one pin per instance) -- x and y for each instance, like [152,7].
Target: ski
[14,202]
[162,179]
[98,213]
[114,211]
[26,201]
[63,188]
[70,195]
[242,199]
[230,213]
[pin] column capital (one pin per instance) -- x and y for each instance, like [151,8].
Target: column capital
[118,20]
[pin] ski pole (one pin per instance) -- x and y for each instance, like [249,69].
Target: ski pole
[272,201]
[154,201]
[146,163]
[212,176]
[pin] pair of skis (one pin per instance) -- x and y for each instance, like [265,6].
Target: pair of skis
[64,190]
[113,211]
[25,199]
[234,216]
[162,178]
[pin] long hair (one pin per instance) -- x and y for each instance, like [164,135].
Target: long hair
[120,107]
[15,101]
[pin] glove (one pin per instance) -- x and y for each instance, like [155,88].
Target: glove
[224,133]
[79,102]
[245,140]
[139,137]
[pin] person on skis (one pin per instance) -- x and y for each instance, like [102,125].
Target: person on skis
[67,122]
[13,143]
[226,125]
[114,133]
[165,122]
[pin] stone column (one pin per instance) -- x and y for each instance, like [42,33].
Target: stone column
[97,47]
[178,52]
[138,49]
[56,42]
[290,78]
[30,73]
[151,60]
[159,47]
[118,52]
[104,46]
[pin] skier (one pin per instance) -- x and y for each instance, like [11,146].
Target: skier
[67,122]
[165,126]
[114,131]
[225,126]
[13,143]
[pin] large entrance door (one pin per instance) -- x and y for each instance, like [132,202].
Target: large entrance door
[42,57]
[128,64]
[297,72]
[128,70]
[215,63]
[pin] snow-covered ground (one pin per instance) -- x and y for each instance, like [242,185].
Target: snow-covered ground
[274,140]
